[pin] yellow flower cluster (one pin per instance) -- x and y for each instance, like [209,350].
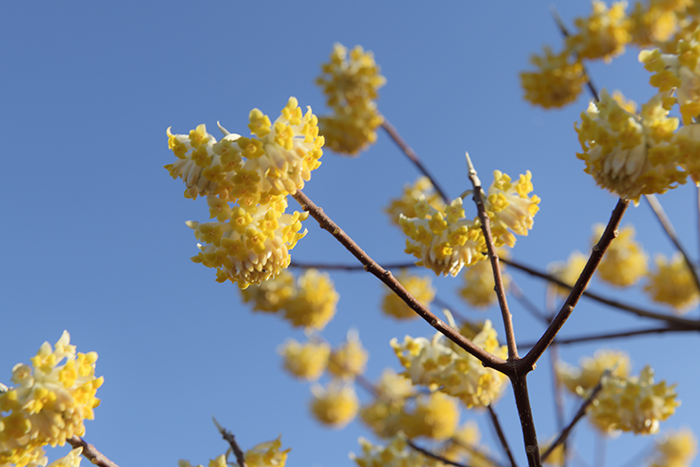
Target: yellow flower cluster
[305,361]
[557,458]
[675,449]
[350,359]
[464,447]
[395,454]
[385,414]
[411,193]
[350,82]
[420,287]
[625,262]
[49,403]
[479,283]
[510,208]
[335,406]
[567,272]
[219,461]
[630,155]
[657,22]
[246,181]
[601,35]
[558,80]
[439,363]
[435,416]
[267,454]
[581,380]
[309,303]
[672,283]
[633,404]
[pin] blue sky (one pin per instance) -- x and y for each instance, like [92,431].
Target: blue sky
[94,228]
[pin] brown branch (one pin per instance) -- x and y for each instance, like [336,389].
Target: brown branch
[612,335]
[401,143]
[231,440]
[499,287]
[528,362]
[671,234]
[345,267]
[501,435]
[674,320]
[581,412]
[371,266]
[432,455]
[90,452]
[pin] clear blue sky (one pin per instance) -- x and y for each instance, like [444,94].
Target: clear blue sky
[94,230]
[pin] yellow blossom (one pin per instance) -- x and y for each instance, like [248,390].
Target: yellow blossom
[335,406]
[314,303]
[350,359]
[510,208]
[49,402]
[350,82]
[675,449]
[72,459]
[687,139]
[464,446]
[385,414]
[435,416]
[440,363]
[583,379]
[411,193]
[267,454]
[633,404]
[396,454]
[672,283]
[219,461]
[420,287]
[625,262]
[305,361]
[557,457]
[654,23]
[601,35]
[271,295]
[567,272]
[479,283]
[630,155]
[558,80]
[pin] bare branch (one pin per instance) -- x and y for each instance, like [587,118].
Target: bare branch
[432,455]
[90,452]
[231,440]
[501,435]
[612,335]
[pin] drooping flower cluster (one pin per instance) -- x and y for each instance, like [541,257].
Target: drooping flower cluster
[673,284]
[305,361]
[246,181]
[676,449]
[624,262]
[509,207]
[411,193]
[350,82]
[441,364]
[568,272]
[630,155]
[581,380]
[385,414]
[558,80]
[479,283]
[350,359]
[267,454]
[604,34]
[633,404]
[49,403]
[435,416]
[309,303]
[420,287]
[336,405]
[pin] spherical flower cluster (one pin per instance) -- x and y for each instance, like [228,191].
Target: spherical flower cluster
[633,404]
[558,80]
[479,283]
[443,240]
[385,414]
[305,361]
[335,406]
[246,181]
[687,140]
[350,83]
[581,380]
[411,193]
[310,302]
[567,272]
[420,287]
[601,35]
[435,416]
[350,359]
[630,155]
[510,208]
[440,363]
[675,449]
[396,454]
[673,283]
[49,403]
[625,261]
[654,23]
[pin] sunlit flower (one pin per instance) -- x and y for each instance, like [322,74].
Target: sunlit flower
[568,272]
[625,261]
[314,303]
[633,404]
[395,454]
[673,283]
[443,240]
[385,414]
[440,363]
[464,446]
[653,23]
[271,295]
[479,283]
[558,80]
[581,380]
[411,193]
[603,34]
[49,402]
[509,207]
[336,405]
[267,454]
[630,155]
[350,82]
[72,459]
[675,449]
[687,139]
[435,416]
[350,359]
[305,361]
[219,461]
[420,287]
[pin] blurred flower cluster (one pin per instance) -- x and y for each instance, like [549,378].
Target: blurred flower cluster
[267,454]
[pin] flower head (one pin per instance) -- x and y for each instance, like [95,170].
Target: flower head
[385,414]
[581,380]
[673,283]
[271,295]
[305,361]
[336,405]
[625,261]
[558,80]
[435,416]
[479,283]
[675,449]
[603,34]
[267,454]
[509,207]
[420,287]
[568,272]
[314,303]
[350,359]
[411,194]
[395,454]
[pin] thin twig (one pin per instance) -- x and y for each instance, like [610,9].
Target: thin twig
[401,143]
[432,455]
[499,287]
[501,435]
[231,440]
[671,233]
[581,412]
[611,335]
[371,266]
[346,267]
[90,452]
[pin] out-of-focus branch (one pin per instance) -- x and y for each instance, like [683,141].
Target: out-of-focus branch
[90,452]
[501,435]
[345,267]
[371,266]
[231,440]
[401,143]
[432,455]
[612,335]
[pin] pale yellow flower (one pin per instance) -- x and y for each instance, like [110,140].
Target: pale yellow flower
[509,207]
[385,414]
[601,35]
[267,454]
[335,406]
[435,416]
[271,295]
[654,23]
[568,272]
[411,193]
[625,261]
[420,287]
[583,379]
[305,361]
[675,449]
[559,79]
[350,359]
[673,284]
[479,283]
[314,303]
[396,454]
[72,459]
